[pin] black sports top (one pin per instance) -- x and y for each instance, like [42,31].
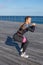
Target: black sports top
[26,27]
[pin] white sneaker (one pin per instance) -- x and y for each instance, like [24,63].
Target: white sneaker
[24,55]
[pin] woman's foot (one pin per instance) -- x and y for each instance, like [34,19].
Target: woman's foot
[24,55]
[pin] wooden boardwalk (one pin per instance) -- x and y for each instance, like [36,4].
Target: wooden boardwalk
[9,49]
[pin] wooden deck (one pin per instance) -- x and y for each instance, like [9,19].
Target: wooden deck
[9,49]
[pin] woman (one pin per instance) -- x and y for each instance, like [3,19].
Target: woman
[19,35]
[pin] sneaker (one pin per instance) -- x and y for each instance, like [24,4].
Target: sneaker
[24,55]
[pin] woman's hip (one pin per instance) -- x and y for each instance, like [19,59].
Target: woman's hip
[16,37]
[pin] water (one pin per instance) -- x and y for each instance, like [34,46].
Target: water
[35,19]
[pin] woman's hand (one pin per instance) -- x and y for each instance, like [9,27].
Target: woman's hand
[33,24]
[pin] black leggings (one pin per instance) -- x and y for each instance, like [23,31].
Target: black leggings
[16,37]
[24,45]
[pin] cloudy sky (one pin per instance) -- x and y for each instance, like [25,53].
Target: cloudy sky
[21,7]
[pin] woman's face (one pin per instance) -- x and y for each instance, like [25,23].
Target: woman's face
[28,20]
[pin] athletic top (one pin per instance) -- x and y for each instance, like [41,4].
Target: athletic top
[24,28]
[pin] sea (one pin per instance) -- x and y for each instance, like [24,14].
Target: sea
[35,19]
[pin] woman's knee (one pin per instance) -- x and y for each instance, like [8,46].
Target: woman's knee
[24,40]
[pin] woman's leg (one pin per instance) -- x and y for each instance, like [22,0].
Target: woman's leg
[23,49]
[24,46]
[24,41]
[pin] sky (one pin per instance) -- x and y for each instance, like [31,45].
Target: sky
[21,7]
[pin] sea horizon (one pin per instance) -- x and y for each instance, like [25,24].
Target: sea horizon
[35,19]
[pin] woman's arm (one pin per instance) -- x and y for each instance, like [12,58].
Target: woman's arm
[31,28]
